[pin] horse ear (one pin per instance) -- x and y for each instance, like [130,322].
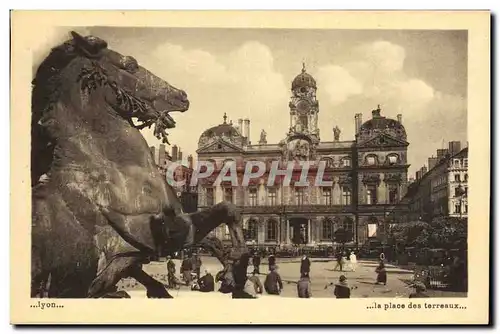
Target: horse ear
[90,45]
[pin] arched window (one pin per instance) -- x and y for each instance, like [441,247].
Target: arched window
[272,230]
[251,229]
[371,160]
[348,225]
[345,162]
[328,162]
[392,159]
[327,229]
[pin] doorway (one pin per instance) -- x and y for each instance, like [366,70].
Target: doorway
[299,231]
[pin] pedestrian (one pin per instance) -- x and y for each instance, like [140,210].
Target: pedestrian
[171,279]
[186,270]
[196,264]
[272,261]
[381,273]
[342,289]
[304,286]
[259,288]
[353,260]
[305,265]
[207,282]
[339,261]
[273,284]
[256,262]
[419,291]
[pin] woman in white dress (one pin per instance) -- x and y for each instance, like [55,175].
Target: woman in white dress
[353,260]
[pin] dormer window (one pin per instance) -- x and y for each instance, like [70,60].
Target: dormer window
[346,162]
[370,160]
[392,159]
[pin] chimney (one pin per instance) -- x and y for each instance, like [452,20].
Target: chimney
[240,127]
[423,170]
[358,121]
[161,156]
[247,129]
[175,151]
[417,175]
[400,118]
[179,156]
[454,147]
[441,153]
[432,161]
[190,161]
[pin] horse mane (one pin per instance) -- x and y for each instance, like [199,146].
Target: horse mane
[45,92]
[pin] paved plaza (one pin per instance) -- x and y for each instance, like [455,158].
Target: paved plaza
[322,273]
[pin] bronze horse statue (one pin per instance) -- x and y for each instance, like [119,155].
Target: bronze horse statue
[100,207]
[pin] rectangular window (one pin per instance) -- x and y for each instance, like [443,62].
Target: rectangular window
[299,196]
[371,195]
[327,230]
[271,196]
[327,196]
[393,195]
[466,208]
[346,162]
[457,208]
[272,230]
[210,196]
[370,161]
[466,177]
[466,163]
[228,194]
[456,163]
[457,177]
[346,196]
[253,196]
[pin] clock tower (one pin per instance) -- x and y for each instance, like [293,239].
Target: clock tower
[303,105]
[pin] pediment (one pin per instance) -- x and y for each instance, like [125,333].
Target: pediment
[219,146]
[383,140]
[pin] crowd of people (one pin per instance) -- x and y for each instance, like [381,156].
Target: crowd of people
[273,284]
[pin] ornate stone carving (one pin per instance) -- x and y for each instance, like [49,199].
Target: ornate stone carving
[336,133]
[393,178]
[371,178]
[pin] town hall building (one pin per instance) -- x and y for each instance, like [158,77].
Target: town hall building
[369,176]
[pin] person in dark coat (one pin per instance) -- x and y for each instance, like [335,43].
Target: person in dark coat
[272,261]
[339,261]
[256,262]
[259,288]
[305,265]
[206,282]
[196,261]
[172,280]
[342,289]
[381,273]
[273,284]
[186,269]
[304,286]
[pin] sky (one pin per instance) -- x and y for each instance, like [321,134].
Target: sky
[247,73]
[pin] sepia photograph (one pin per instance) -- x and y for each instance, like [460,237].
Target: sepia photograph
[204,164]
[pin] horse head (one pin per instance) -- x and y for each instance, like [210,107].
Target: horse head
[133,93]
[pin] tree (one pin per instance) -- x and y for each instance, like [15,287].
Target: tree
[342,236]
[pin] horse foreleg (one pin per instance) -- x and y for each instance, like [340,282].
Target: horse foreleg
[106,280]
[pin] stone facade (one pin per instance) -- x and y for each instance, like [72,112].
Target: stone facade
[368,173]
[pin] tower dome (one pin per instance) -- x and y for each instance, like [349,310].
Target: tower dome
[304,79]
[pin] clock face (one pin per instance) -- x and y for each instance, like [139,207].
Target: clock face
[303,106]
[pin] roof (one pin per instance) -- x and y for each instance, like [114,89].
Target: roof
[304,79]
